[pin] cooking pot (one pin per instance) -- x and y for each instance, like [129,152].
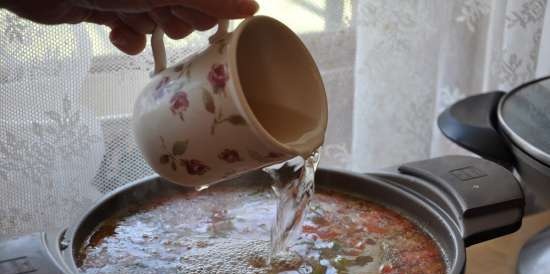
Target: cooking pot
[457,200]
[513,129]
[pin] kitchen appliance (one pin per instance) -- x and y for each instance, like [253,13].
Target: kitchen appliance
[512,129]
[457,200]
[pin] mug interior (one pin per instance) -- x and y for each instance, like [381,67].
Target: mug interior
[281,84]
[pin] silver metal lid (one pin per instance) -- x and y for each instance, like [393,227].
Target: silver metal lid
[524,116]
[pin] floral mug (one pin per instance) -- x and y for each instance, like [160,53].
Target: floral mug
[253,98]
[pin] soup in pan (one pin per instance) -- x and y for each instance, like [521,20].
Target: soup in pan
[226,230]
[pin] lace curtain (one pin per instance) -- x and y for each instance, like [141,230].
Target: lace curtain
[415,58]
[66,94]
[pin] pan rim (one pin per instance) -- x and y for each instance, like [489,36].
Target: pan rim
[77,233]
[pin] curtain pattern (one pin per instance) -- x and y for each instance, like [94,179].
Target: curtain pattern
[390,67]
[416,57]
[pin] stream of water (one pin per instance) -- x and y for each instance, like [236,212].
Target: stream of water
[294,185]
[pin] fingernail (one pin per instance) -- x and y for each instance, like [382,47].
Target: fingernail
[248,7]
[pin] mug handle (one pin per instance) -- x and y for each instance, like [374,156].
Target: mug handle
[159,50]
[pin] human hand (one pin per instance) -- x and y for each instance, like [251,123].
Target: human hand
[131,20]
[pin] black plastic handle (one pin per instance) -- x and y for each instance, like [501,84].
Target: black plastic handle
[484,198]
[28,254]
[472,124]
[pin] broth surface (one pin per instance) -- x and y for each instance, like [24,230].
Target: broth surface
[226,230]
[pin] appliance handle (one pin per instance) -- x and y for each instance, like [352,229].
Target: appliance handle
[472,124]
[28,254]
[485,200]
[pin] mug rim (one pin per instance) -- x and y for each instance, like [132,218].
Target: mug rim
[242,102]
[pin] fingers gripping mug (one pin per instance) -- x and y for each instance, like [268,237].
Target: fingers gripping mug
[253,98]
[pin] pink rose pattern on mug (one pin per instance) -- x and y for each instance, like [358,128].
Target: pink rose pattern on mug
[195,167]
[230,156]
[180,102]
[218,78]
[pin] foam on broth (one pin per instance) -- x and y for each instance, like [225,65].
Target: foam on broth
[226,229]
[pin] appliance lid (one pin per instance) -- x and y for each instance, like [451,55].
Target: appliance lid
[524,116]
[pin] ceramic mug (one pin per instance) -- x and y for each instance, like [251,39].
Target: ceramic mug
[253,98]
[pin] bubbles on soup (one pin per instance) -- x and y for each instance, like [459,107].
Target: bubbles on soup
[226,230]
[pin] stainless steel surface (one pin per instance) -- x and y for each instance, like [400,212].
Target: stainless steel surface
[534,257]
[535,179]
[524,116]
[30,254]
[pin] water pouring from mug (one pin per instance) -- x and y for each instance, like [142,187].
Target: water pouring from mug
[294,185]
